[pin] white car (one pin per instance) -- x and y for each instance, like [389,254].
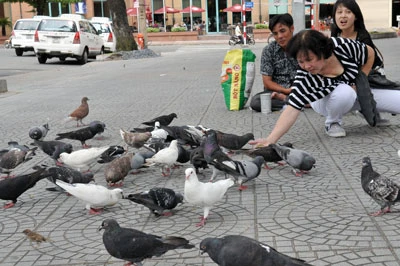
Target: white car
[67,36]
[105,26]
[22,35]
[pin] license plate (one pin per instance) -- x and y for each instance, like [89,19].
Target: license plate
[56,40]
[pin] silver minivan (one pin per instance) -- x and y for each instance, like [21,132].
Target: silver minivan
[67,36]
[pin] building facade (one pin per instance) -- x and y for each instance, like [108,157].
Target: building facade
[214,18]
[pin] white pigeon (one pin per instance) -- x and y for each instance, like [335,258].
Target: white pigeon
[204,194]
[165,157]
[158,132]
[82,158]
[96,197]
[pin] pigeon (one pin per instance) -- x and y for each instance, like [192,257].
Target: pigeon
[79,113]
[53,148]
[186,135]
[133,139]
[34,237]
[297,159]
[67,175]
[237,250]
[117,170]
[166,158]
[157,200]
[242,170]
[158,132]
[12,188]
[134,246]
[142,129]
[382,190]
[197,159]
[38,133]
[212,151]
[84,134]
[204,194]
[139,159]
[81,158]
[268,153]
[232,141]
[14,157]
[183,155]
[95,197]
[115,151]
[164,120]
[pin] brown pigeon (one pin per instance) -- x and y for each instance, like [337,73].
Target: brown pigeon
[118,169]
[135,139]
[79,113]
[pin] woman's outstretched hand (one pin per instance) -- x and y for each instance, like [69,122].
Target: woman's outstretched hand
[259,143]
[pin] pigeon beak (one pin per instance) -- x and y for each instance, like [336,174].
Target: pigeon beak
[101,227]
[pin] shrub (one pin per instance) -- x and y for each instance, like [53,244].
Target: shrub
[150,29]
[261,26]
[178,29]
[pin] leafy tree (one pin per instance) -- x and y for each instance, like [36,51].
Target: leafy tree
[4,22]
[123,33]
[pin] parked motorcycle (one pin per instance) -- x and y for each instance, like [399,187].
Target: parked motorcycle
[236,40]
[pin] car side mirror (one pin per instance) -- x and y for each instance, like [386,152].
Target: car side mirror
[99,32]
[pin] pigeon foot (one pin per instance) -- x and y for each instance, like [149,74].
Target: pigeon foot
[94,211]
[85,146]
[267,167]
[9,205]
[380,212]
[120,184]
[167,214]
[242,187]
[202,222]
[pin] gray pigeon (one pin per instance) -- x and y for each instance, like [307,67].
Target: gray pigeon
[53,148]
[236,250]
[382,190]
[297,159]
[39,132]
[84,134]
[135,246]
[268,153]
[117,170]
[164,120]
[139,159]
[157,200]
[233,141]
[14,157]
[241,170]
[67,175]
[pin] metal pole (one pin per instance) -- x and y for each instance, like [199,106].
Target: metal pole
[191,15]
[165,26]
[244,22]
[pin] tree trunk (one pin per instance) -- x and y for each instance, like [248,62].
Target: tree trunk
[125,40]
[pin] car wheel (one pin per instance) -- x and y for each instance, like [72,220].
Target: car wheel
[19,51]
[62,59]
[42,59]
[84,58]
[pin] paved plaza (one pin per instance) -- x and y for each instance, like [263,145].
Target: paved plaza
[321,217]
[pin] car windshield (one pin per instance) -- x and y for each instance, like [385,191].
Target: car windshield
[57,25]
[26,25]
[101,26]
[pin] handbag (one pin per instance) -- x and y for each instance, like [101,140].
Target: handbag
[366,99]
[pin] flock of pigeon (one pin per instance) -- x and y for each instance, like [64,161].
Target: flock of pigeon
[164,146]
